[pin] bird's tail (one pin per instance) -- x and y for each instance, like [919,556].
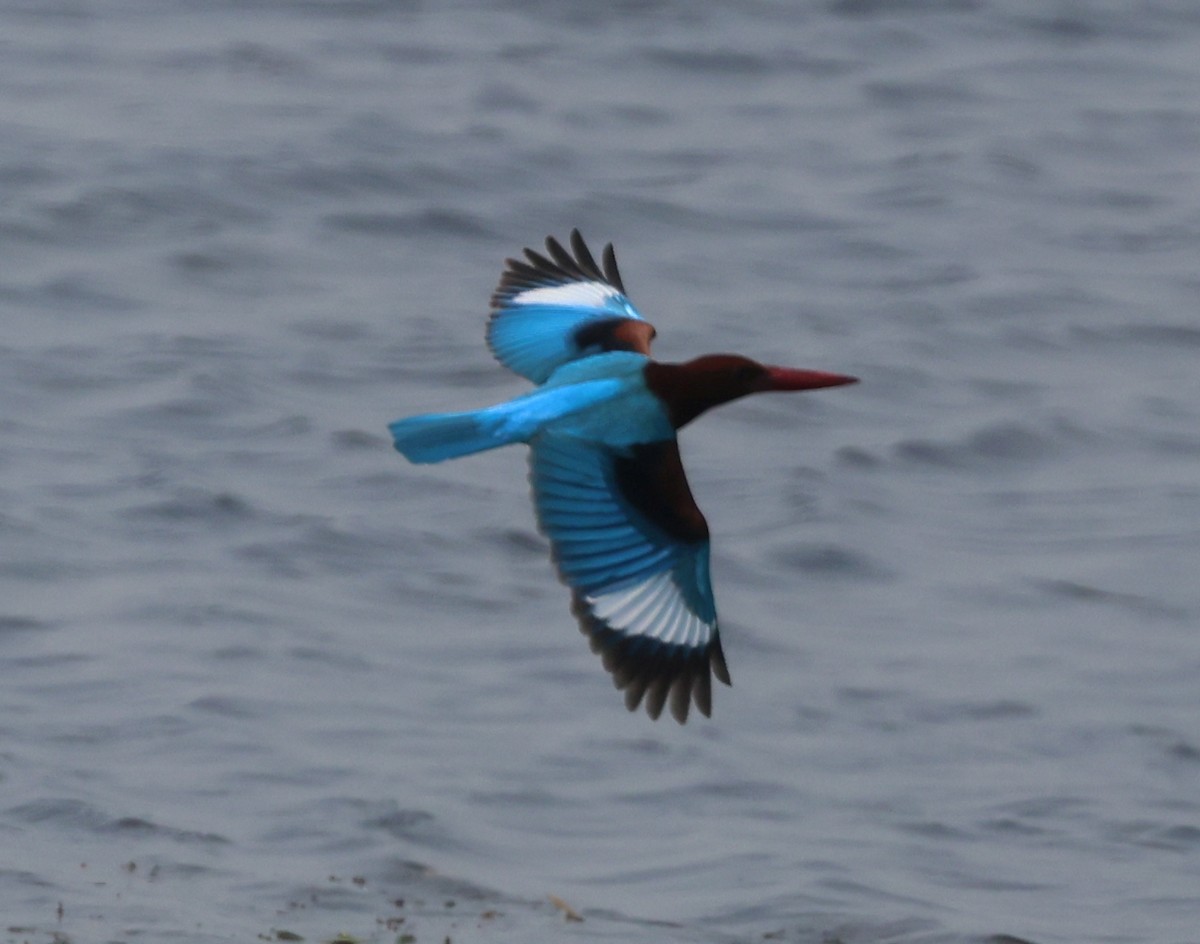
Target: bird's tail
[438,436]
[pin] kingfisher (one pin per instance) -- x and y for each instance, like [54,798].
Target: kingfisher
[609,491]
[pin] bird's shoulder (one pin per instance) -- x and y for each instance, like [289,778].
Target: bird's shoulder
[626,366]
[629,413]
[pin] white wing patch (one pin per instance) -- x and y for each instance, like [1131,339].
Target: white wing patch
[570,295]
[653,608]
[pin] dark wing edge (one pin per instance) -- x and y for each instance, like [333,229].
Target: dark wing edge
[645,669]
[537,270]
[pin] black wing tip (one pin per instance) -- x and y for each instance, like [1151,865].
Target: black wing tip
[653,675]
[557,266]
[611,272]
[716,658]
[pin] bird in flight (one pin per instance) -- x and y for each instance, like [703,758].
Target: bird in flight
[608,486]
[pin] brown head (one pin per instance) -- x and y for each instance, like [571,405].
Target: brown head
[690,388]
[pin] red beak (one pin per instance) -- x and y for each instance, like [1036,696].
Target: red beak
[786,378]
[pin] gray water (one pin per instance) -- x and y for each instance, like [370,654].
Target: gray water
[257,674]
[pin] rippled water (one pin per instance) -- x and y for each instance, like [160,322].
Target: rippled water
[257,674]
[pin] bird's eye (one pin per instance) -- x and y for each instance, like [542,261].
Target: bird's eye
[748,373]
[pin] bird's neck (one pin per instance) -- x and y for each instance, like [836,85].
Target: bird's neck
[685,392]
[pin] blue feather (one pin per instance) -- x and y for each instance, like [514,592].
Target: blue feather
[536,339]
[439,436]
[435,437]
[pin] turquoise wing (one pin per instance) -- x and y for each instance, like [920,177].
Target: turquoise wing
[555,308]
[633,548]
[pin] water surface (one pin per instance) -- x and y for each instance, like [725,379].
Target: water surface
[260,675]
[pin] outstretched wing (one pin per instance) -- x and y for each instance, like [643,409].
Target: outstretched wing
[632,546]
[559,307]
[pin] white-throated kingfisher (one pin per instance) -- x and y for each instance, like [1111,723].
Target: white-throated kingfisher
[608,485]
